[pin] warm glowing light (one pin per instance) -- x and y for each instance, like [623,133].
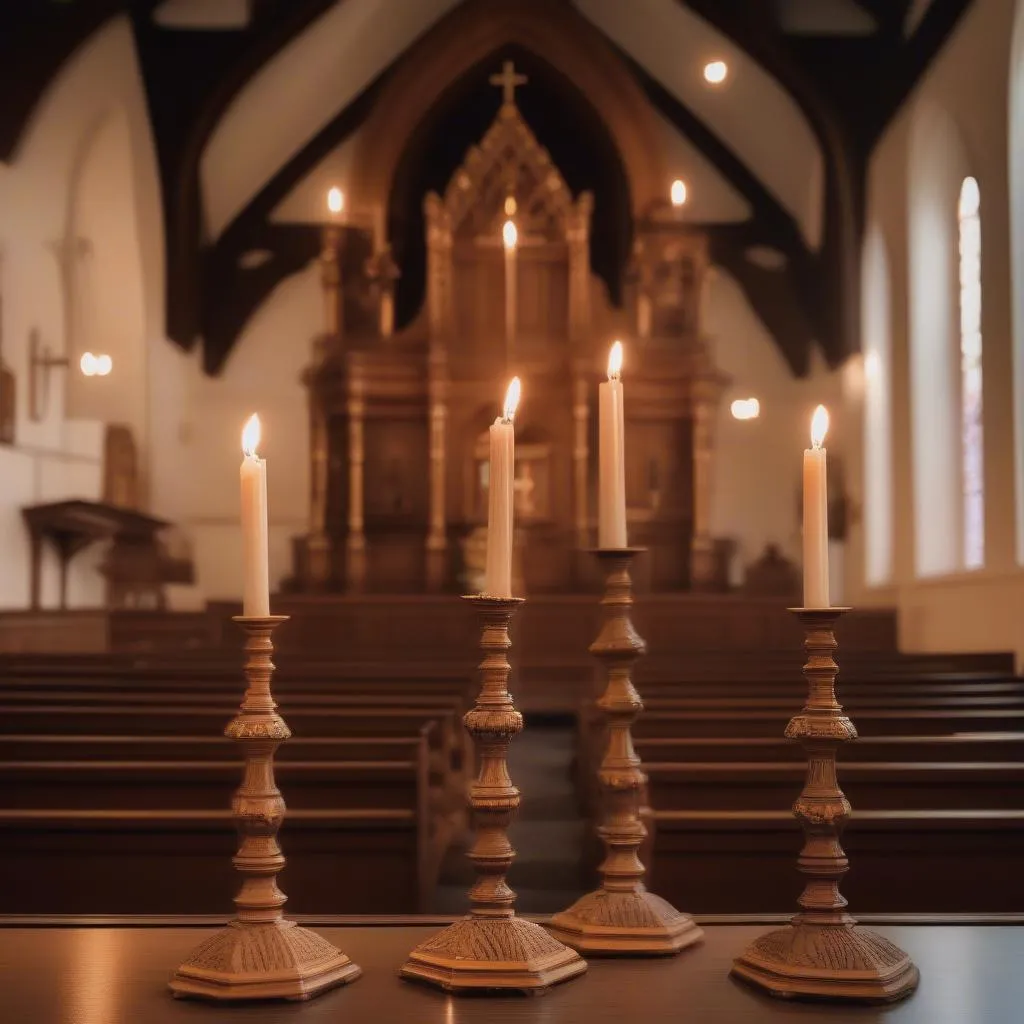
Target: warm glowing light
[615,361]
[104,364]
[509,234]
[819,426]
[88,364]
[511,400]
[715,72]
[251,436]
[678,192]
[335,200]
[745,409]
[510,206]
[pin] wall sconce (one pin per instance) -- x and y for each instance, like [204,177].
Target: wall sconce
[95,366]
[41,362]
[745,409]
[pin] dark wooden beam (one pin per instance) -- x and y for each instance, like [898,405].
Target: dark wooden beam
[36,39]
[185,109]
[230,293]
[838,296]
[789,307]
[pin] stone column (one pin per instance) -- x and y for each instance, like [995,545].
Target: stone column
[356,540]
[580,456]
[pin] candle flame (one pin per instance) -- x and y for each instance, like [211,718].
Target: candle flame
[678,192]
[335,200]
[509,234]
[511,400]
[615,361]
[251,436]
[819,426]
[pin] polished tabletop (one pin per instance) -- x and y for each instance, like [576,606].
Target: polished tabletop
[118,975]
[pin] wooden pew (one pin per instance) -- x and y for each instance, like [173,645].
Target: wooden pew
[925,861]
[869,785]
[99,862]
[974,747]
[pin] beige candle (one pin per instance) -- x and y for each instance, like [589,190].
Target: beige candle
[510,239]
[611,523]
[816,515]
[256,571]
[498,572]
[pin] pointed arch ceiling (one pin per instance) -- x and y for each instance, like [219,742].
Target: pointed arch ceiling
[812,84]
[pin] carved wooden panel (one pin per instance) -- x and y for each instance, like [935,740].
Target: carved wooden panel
[396,479]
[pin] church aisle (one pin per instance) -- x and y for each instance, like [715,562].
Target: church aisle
[548,834]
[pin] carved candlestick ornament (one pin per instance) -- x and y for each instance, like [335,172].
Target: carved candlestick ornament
[622,917]
[491,948]
[823,953]
[259,954]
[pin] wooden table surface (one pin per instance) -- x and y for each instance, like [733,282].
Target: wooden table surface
[70,975]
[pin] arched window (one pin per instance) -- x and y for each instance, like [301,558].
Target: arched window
[972,438]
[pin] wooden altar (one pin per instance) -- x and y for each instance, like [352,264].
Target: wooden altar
[398,421]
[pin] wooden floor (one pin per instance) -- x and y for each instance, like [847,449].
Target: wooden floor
[970,975]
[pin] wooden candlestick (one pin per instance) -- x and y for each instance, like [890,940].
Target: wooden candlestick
[491,948]
[823,953]
[622,917]
[259,954]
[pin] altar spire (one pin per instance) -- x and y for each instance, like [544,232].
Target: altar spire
[508,81]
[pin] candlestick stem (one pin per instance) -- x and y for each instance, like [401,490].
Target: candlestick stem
[491,948]
[823,953]
[260,954]
[622,917]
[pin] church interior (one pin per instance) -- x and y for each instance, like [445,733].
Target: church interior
[320,239]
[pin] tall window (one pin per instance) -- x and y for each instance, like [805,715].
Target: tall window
[972,440]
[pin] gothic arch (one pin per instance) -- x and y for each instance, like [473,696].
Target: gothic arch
[555,33]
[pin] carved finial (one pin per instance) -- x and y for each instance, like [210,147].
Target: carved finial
[508,80]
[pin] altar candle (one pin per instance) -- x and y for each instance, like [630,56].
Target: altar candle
[256,571]
[816,515]
[611,524]
[498,573]
[510,239]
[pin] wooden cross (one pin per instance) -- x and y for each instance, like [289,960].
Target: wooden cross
[508,80]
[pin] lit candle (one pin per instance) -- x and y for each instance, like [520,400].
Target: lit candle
[498,574]
[256,588]
[510,238]
[611,524]
[816,515]
[335,202]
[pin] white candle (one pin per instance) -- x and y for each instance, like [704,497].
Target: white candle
[816,515]
[498,573]
[510,239]
[611,524]
[256,571]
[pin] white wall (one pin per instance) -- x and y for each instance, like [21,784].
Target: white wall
[90,123]
[201,420]
[758,462]
[955,124]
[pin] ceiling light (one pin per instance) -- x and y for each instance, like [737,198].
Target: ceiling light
[715,72]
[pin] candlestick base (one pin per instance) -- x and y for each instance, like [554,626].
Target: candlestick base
[841,961]
[604,923]
[476,954]
[276,960]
